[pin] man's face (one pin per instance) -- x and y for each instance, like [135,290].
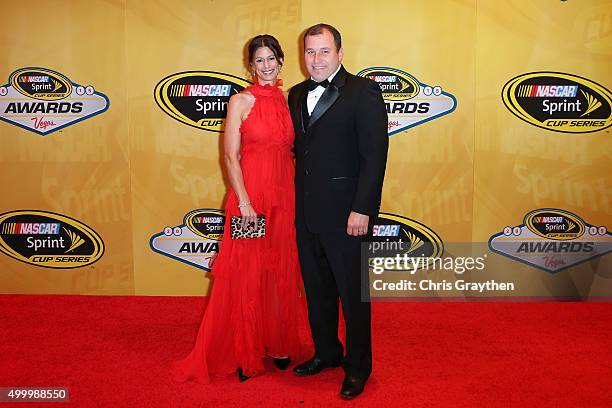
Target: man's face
[320,55]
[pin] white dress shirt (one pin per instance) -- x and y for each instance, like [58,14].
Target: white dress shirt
[315,94]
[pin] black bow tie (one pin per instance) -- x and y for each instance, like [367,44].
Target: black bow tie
[312,84]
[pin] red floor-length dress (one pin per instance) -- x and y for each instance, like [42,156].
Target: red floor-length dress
[257,306]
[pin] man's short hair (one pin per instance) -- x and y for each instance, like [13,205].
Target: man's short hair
[317,29]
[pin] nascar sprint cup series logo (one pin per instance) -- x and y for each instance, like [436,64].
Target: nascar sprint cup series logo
[559,102]
[48,239]
[393,234]
[43,101]
[552,240]
[409,102]
[196,241]
[198,98]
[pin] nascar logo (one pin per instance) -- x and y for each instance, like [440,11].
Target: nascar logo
[44,101]
[195,242]
[22,228]
[198,98]
[559,102]
[549,220]
[409,102]
[552,91]
[47,239]
[555,224]
[200,90]
[552,240]
[386,230]
[418,239]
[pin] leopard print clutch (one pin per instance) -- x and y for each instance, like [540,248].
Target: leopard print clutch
[238,232]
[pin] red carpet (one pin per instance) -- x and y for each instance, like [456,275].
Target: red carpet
[116,352]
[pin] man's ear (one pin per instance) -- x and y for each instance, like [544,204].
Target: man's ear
[340,54]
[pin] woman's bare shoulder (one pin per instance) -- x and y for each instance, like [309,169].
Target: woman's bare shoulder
[242,102]
[244,97]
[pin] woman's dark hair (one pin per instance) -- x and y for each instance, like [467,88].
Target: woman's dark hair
[266,40]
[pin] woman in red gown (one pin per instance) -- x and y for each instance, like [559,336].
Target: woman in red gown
[256,307]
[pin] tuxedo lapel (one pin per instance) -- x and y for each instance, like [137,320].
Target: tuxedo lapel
[329,97]
[300,107]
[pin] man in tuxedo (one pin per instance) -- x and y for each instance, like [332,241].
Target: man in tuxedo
[341,146]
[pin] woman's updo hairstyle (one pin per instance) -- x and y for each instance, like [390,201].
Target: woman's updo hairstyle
[266,40]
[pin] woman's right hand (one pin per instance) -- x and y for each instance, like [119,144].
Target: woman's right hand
[249,216]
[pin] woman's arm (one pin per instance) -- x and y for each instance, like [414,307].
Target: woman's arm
[238,107]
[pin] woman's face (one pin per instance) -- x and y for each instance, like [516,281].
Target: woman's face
[266,65]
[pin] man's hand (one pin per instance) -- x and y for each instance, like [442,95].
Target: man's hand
[357,224]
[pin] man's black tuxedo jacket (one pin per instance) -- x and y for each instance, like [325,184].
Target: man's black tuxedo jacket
[341,152]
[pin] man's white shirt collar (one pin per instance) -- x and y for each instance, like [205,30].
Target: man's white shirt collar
[315,94]
[331,77]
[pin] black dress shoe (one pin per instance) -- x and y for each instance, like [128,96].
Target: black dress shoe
[352,387]
[313,366]
[241,376]
[282,363]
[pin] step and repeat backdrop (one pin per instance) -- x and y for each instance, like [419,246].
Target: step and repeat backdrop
[499,178]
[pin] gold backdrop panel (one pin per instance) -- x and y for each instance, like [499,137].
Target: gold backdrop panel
[82,170]
[520,167]
[133,170]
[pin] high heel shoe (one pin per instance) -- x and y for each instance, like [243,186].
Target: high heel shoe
[282,363]
[241,376]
